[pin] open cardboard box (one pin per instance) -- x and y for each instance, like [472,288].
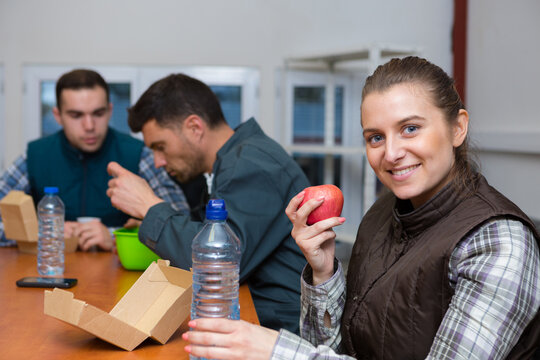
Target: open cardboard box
[155,306]
[20,220]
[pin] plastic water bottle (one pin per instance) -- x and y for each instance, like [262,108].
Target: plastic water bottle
[216,253]
[50,257]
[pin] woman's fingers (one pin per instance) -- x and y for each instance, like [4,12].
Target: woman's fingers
[211,338]
[207,338]
[217,325]
[308,232]
[209,352]
[229,339]
[306,209]
[298,216]
[291,208]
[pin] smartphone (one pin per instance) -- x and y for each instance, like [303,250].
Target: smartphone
[46,282]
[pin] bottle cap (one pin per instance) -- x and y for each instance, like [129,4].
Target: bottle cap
[215,210]
[51,190]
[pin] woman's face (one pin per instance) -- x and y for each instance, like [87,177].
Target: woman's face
[409,143]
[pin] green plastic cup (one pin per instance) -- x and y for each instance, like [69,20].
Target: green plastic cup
[133,254]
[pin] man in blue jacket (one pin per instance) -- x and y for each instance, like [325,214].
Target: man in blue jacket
[182,122]
[75,159]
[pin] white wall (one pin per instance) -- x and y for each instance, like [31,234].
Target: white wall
[503,77]
[258,33]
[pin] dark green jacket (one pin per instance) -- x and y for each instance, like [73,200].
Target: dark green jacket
[257,179]
[82,178]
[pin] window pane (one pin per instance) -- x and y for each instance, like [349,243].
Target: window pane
[230,98]
[309,128]
[308,115]
[119,96]
[313,167]
[48,101]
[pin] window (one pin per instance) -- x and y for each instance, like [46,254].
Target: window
[309,128]
[230,98]
[236,89]
[119,94]
[308,117]
[323,134]
[39,97]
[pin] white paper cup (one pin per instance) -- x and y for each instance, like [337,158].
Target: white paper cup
[86,219]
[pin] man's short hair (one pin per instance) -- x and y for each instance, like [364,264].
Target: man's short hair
[172,99]
[80,79]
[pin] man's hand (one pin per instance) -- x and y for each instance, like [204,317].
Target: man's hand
[94,233]
[132,223]
[70,228]
[130,193]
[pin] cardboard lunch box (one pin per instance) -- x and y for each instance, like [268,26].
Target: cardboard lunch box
[155,306]
[20,220]
[21,224]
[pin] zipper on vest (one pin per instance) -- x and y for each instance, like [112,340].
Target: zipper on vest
[83,189]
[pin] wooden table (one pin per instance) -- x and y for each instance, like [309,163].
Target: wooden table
[26,333]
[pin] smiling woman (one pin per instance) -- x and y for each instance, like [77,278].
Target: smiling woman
[443,267]
[409,142]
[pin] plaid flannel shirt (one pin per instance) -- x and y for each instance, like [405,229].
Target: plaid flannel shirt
[495,274]
[16,178]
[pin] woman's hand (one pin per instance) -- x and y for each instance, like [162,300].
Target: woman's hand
[317,241]
[229,339]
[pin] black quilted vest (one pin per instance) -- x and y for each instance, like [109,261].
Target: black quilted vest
[397,283]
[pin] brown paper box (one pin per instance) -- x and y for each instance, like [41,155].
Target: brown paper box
[21,224]
[20,220]
[155,306]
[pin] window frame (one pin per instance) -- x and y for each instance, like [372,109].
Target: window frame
[351,149]
[246,77]
[329,81]
[139,78]
[33,76]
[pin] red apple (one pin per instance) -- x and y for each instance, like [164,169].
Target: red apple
[332,205]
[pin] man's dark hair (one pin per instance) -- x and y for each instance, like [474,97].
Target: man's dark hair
[80,79]
[172,99]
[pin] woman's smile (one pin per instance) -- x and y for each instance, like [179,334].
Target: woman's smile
[399,173]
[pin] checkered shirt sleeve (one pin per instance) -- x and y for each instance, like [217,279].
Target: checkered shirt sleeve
[326,298]
[495,272]
[158,179]
[14,178]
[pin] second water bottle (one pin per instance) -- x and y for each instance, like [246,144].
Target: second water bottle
[50,211]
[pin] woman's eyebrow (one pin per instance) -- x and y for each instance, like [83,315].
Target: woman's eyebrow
[400,122]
